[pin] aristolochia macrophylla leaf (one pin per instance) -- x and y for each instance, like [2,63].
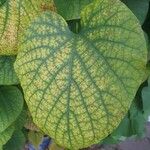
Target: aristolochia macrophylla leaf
[7,74]
[79,86]
[73,10]
[6,135]
[11,103]
[15,15]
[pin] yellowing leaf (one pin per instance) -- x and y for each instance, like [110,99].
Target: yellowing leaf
[78,87]
[15,15]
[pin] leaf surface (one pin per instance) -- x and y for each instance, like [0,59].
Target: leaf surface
[16,142]
[78,87]
[73,10]
[139,8]
[15,15]
[6,135]
[7,74]
[11,103]
[35,138]
[146,99]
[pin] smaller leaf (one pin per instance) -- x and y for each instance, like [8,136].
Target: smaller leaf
[2,2]
[146,100]
[121,133]
[138,125]
[35,138]
[7,73]
[139,8]
[17,141]
[11,103]
[6,135]
[21,120]
[73,10]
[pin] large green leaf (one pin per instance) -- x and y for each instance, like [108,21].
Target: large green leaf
[79,86]
[139,8]
[73,10]
[6,135]
[11,103]
[15,15]
[16,142]
[7,73]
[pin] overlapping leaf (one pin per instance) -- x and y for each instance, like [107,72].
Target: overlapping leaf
[16,142]
[14,17]
[139,8]
[7,73]
[11,103]
[35,138]
[70,9]
[6,135]
[146,100]
[79,86]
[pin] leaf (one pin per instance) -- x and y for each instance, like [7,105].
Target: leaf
[122,132]
[139,8]
[35,138]
[6,135]
[146,100]
[73,10]
[2,2]
[138,125]
[7,73]
[21,120]
[137,120]
[30,125]
[54,146]
[11,103]
[15,16]
[17,141]
[78,87]
[131,127]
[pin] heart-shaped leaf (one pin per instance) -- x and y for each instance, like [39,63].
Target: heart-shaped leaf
[6,135]
[7,74]
[79,86]
[11,103]
[15,15]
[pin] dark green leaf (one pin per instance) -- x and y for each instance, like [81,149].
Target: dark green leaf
[11,103]
[70,9]
[146,100]
[139,8]
[6,135]
[21,120]
[7,73]
[16,142]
